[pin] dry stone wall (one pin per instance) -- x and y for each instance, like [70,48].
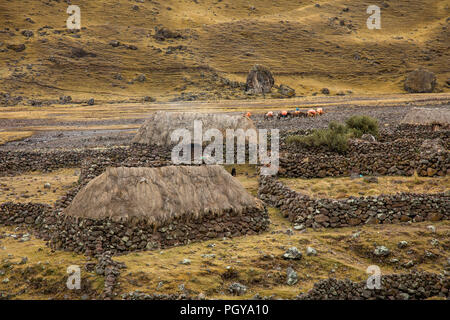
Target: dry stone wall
[93,237]
[410,286]
[397,152]
[329,213]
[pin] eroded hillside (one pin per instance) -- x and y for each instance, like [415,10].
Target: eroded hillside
[119,55]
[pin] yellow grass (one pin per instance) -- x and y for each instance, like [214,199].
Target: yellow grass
[297,41]
[30,186]
[8,136]
[44,275]
[339,255]
[345,187]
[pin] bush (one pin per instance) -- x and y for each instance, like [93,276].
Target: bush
[359,125]
[336,136]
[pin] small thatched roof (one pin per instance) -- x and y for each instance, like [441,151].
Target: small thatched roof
[157,195]
[158,128]
[426,116]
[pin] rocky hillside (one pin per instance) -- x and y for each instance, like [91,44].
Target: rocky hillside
[203,49]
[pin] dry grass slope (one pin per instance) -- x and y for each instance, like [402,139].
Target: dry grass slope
[307,47]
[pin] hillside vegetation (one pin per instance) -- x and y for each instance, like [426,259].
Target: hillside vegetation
[308,45]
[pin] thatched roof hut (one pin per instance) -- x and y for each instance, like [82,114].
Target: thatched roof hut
[158,195]
[427,116]
[159,127]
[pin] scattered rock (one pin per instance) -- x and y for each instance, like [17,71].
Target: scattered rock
[402,244]
[381,251]
[434,242]
[186,262]
[16,47]
[409,264]
[27,33]
[237,289]
[141,78]
[370,179]
[292,254]
[325,91]
[286,91]
[311,251]
[65,99]
[114,43]
[292,277]
[368,137]
[164,33]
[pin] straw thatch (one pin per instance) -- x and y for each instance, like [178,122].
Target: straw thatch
[157,195]
[427,116]
[158,128]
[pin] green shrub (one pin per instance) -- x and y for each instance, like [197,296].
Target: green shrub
[359,125]
[336,136]
[295,139]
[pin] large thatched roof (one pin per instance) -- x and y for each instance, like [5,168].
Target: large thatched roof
[427,116]
[158,128]
[157,195]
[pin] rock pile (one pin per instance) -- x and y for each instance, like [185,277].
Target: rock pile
[110,269]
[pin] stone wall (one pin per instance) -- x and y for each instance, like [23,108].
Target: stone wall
[308,212]
[92,237]
[17,162]
[325,165]
[27,214]
[398,152]
[412,286]
[398,158]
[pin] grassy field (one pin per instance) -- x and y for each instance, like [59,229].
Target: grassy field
[344,187]
[307,47]
[251,260]
[30,186]
[8,136]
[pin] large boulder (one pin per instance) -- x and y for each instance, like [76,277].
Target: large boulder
[420,81]
[259,80]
